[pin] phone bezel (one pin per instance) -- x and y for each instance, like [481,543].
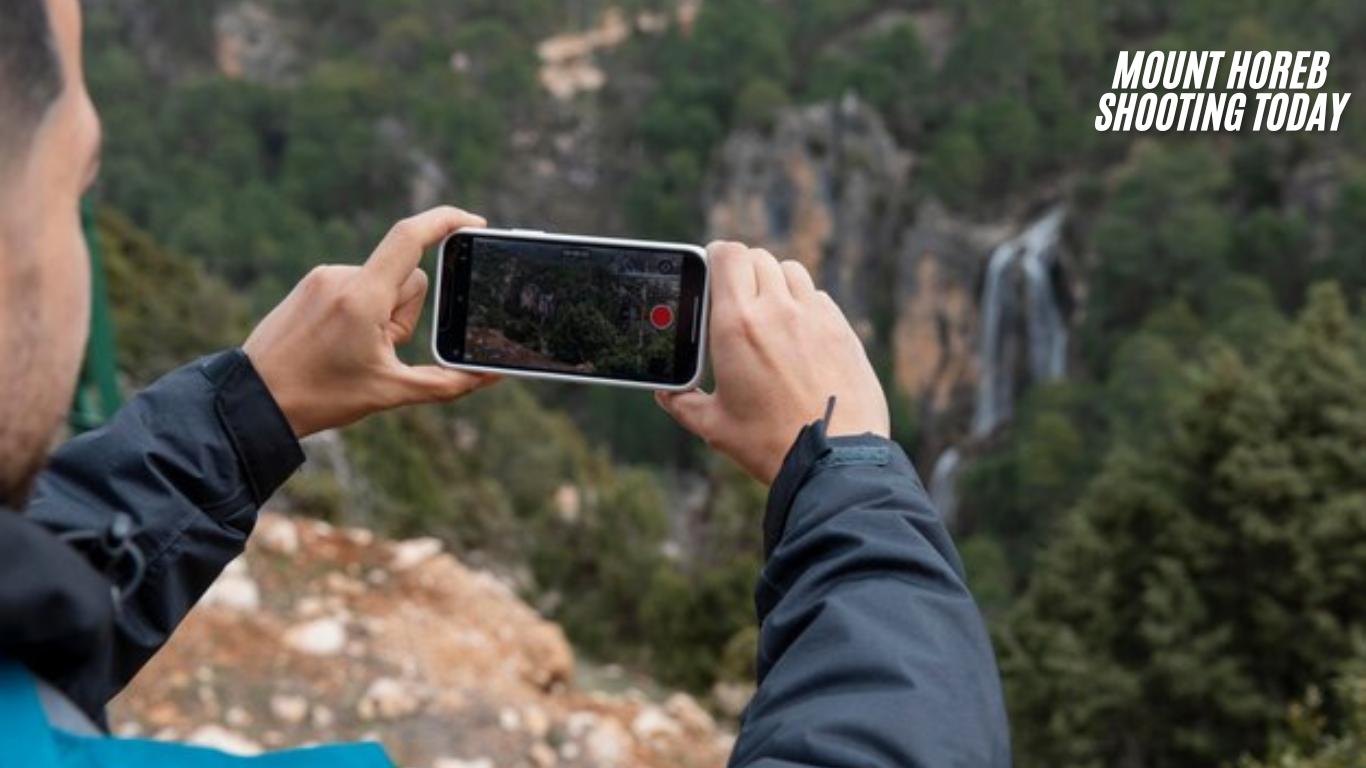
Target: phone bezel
[441,307]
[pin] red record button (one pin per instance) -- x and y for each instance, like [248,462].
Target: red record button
[662,317]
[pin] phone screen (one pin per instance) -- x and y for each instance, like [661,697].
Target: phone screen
[612,312]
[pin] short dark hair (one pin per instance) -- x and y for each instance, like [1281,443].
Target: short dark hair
[30,73]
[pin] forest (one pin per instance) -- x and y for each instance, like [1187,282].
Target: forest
[1169,543]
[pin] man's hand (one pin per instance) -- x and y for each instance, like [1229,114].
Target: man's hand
[327,353]
[779,350]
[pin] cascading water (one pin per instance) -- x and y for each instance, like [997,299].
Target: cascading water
[944,485]
[1031,255]
[1028,260]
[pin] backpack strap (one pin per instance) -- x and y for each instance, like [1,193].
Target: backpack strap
[87,752]
[26,739]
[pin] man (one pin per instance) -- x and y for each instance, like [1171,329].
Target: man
[189,462]
[872,652]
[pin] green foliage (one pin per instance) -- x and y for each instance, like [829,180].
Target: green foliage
[317,494]
[1309,740]
[1274,246]
[1162,236]
[166,311]
[704,614]
[1197,588]
[1015,495]
[264,180]
[758,101]
[606,559]
[625,593]
[990,575]
[578,331]
[419,482]
[889,70]
[1347,222]
[697,101]
[660,201]
[956,165]
[1149,375]
[816,20]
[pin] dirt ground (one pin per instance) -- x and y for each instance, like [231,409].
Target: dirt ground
[320,635]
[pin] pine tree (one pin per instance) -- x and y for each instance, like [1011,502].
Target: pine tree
[1199,588]
[1309,741]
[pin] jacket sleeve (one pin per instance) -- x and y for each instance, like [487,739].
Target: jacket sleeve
[872,651]
[190,461]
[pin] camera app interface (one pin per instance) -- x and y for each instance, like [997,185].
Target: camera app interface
[585,310]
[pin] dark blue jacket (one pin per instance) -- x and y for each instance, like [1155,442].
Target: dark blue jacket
[872,652]
[190,461]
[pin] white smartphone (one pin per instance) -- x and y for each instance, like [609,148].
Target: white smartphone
[629,313]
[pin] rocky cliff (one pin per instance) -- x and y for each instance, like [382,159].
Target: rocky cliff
[321,634]
[967,311]
[821,185]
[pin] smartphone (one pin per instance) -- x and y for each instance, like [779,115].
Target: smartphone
[628,313]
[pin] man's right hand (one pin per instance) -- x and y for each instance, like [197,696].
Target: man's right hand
[779,349]
[328,352]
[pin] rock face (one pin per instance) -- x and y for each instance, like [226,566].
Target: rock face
[251,44]
[568,61]
[823,186]
[969,312]
[353,638]
[940,266]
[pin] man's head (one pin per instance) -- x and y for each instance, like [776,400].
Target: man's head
[49,152]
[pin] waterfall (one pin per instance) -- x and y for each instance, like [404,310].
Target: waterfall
[1026,260]
[944,485]
[1031,256]
[992,392]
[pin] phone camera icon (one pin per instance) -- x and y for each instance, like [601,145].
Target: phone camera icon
[666,267]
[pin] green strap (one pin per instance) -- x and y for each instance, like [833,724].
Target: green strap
[97,396]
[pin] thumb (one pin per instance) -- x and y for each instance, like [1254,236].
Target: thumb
[694,410]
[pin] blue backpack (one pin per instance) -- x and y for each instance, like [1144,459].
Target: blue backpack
[27,740]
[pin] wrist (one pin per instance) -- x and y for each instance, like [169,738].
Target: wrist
[280,390]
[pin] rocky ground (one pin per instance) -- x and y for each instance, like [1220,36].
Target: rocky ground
[320,634]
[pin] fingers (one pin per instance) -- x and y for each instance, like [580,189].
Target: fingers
[769,274]
[694,410]
[433,384]
[411,297]
[799,281]
[401,250]
[732,270]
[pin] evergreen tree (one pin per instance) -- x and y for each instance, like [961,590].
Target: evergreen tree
[1199,588]
[1309,742]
